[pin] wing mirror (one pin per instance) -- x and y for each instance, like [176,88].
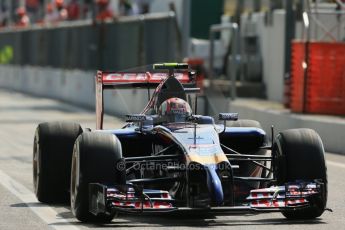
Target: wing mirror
[139,118]
[135,117]
[227,117]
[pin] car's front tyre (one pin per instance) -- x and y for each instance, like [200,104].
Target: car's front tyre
[95,160]
[300,156]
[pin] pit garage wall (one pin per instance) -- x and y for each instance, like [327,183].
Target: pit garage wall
[72,86]
[273,55]
[271,35]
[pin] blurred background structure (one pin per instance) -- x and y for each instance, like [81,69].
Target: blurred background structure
[264,49]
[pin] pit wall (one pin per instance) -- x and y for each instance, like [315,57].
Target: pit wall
[72,86]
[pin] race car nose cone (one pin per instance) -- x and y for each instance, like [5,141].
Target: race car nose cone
[214,184]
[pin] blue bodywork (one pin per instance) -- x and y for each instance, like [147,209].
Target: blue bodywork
[182,138]
[229,132]
[214,184]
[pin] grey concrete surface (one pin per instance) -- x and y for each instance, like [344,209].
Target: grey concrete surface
[15,214]
[19,116]
[330,128]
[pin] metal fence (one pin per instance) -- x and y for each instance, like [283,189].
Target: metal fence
[127,42]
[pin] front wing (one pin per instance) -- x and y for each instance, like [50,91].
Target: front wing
[128,199]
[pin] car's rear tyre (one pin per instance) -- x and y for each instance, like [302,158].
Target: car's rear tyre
[300,156]
[52,154]
[97,158]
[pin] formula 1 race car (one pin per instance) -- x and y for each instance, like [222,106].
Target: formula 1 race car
[169,159]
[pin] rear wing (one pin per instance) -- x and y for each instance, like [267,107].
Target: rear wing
[144,80]
[120,80]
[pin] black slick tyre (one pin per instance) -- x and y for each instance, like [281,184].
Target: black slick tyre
[300,156]
[95,160]
[52,154]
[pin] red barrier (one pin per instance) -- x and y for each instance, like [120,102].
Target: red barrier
[324,91]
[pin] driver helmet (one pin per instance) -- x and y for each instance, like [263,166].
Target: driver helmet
[175,110]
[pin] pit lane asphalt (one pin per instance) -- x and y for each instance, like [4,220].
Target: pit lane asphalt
[19,116]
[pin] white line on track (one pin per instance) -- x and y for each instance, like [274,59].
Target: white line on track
[336,164]
[46,213]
